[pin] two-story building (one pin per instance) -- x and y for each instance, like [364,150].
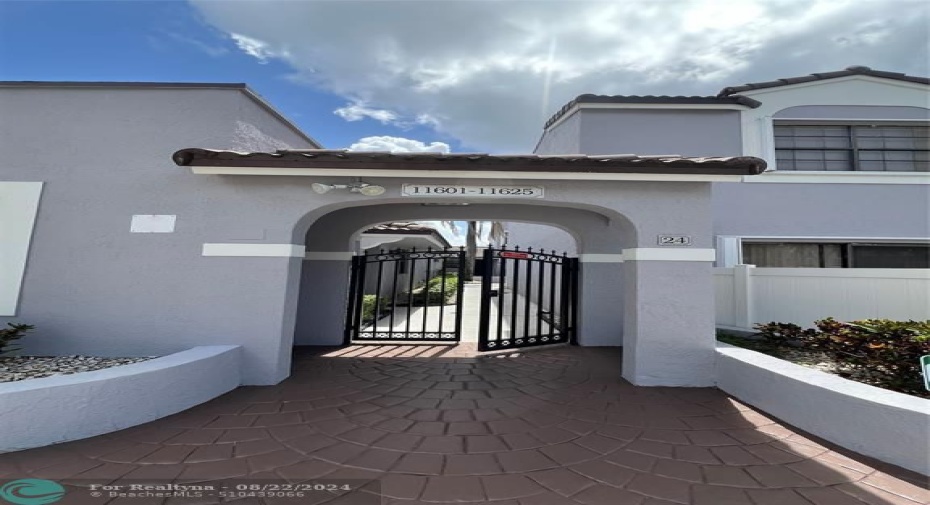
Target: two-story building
[143,219]
[846,184]
[847,152]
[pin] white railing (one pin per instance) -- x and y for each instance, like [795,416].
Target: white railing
[747,295]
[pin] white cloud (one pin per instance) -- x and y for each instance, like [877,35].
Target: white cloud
[398,144]
[454,237]
[214,50]
[427,120]
[869,34]
[456,232]
[258,49]
[358,111]
[490,72]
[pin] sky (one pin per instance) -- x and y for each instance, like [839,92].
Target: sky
[462,76]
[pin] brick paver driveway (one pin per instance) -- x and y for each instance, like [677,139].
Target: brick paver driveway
[545,427]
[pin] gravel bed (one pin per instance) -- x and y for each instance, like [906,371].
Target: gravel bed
[825,363]
[818,360]
[17,368]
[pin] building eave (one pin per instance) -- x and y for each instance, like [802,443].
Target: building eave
[820,77]
[463,165]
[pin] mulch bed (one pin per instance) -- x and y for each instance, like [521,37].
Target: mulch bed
[813,359]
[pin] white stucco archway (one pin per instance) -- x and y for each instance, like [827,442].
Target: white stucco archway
[329,245]
[654,297]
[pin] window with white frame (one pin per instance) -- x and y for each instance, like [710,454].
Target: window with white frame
[835,255]
[852,147]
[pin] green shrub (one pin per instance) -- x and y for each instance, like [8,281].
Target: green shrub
[785,334]
[434,292]
[11,334]
[884,352]
[368,307]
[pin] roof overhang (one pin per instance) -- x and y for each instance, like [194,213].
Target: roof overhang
[436,238]
[341,163]
[855,72]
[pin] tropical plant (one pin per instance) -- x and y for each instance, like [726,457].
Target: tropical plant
[884,352]
[11,334]
[368,307]
[435,293]
[474,229]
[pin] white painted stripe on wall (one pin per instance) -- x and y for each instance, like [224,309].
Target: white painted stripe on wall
[19,205]
[825,239]
[255,250]
[329,255]
[660,254]
[600,258]
[800,177]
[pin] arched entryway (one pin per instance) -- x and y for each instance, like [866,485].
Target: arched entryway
[331,242]
[643,226]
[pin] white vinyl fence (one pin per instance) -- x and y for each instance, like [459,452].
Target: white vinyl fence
[747,295]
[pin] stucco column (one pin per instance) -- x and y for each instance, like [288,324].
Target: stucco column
[324,283]
[600,298]
[248,293]
[669,328]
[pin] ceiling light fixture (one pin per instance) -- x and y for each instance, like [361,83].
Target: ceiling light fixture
[356,187]
[368,190]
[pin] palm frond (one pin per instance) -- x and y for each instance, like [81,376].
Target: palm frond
[452,226]
[497,233]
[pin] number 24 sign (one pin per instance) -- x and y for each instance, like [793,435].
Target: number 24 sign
[672,240]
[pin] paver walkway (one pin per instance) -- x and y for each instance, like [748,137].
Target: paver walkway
[432,318]
[435,317]
[548,427]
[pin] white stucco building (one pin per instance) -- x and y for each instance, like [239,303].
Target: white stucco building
[846,187]
[144,219]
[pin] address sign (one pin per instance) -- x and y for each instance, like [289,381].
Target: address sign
[672,240]
[456,190]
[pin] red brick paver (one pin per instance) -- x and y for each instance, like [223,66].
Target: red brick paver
[554,426]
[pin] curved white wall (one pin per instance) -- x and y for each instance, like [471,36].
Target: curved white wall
[889,426]
[49,410]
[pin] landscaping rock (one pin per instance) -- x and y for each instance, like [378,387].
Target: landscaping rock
[19,368]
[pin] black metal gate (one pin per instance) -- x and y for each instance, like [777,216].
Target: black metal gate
[528,298]
[406,296]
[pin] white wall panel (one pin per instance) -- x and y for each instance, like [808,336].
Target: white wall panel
[726,304]
[19,204]
[804,295]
